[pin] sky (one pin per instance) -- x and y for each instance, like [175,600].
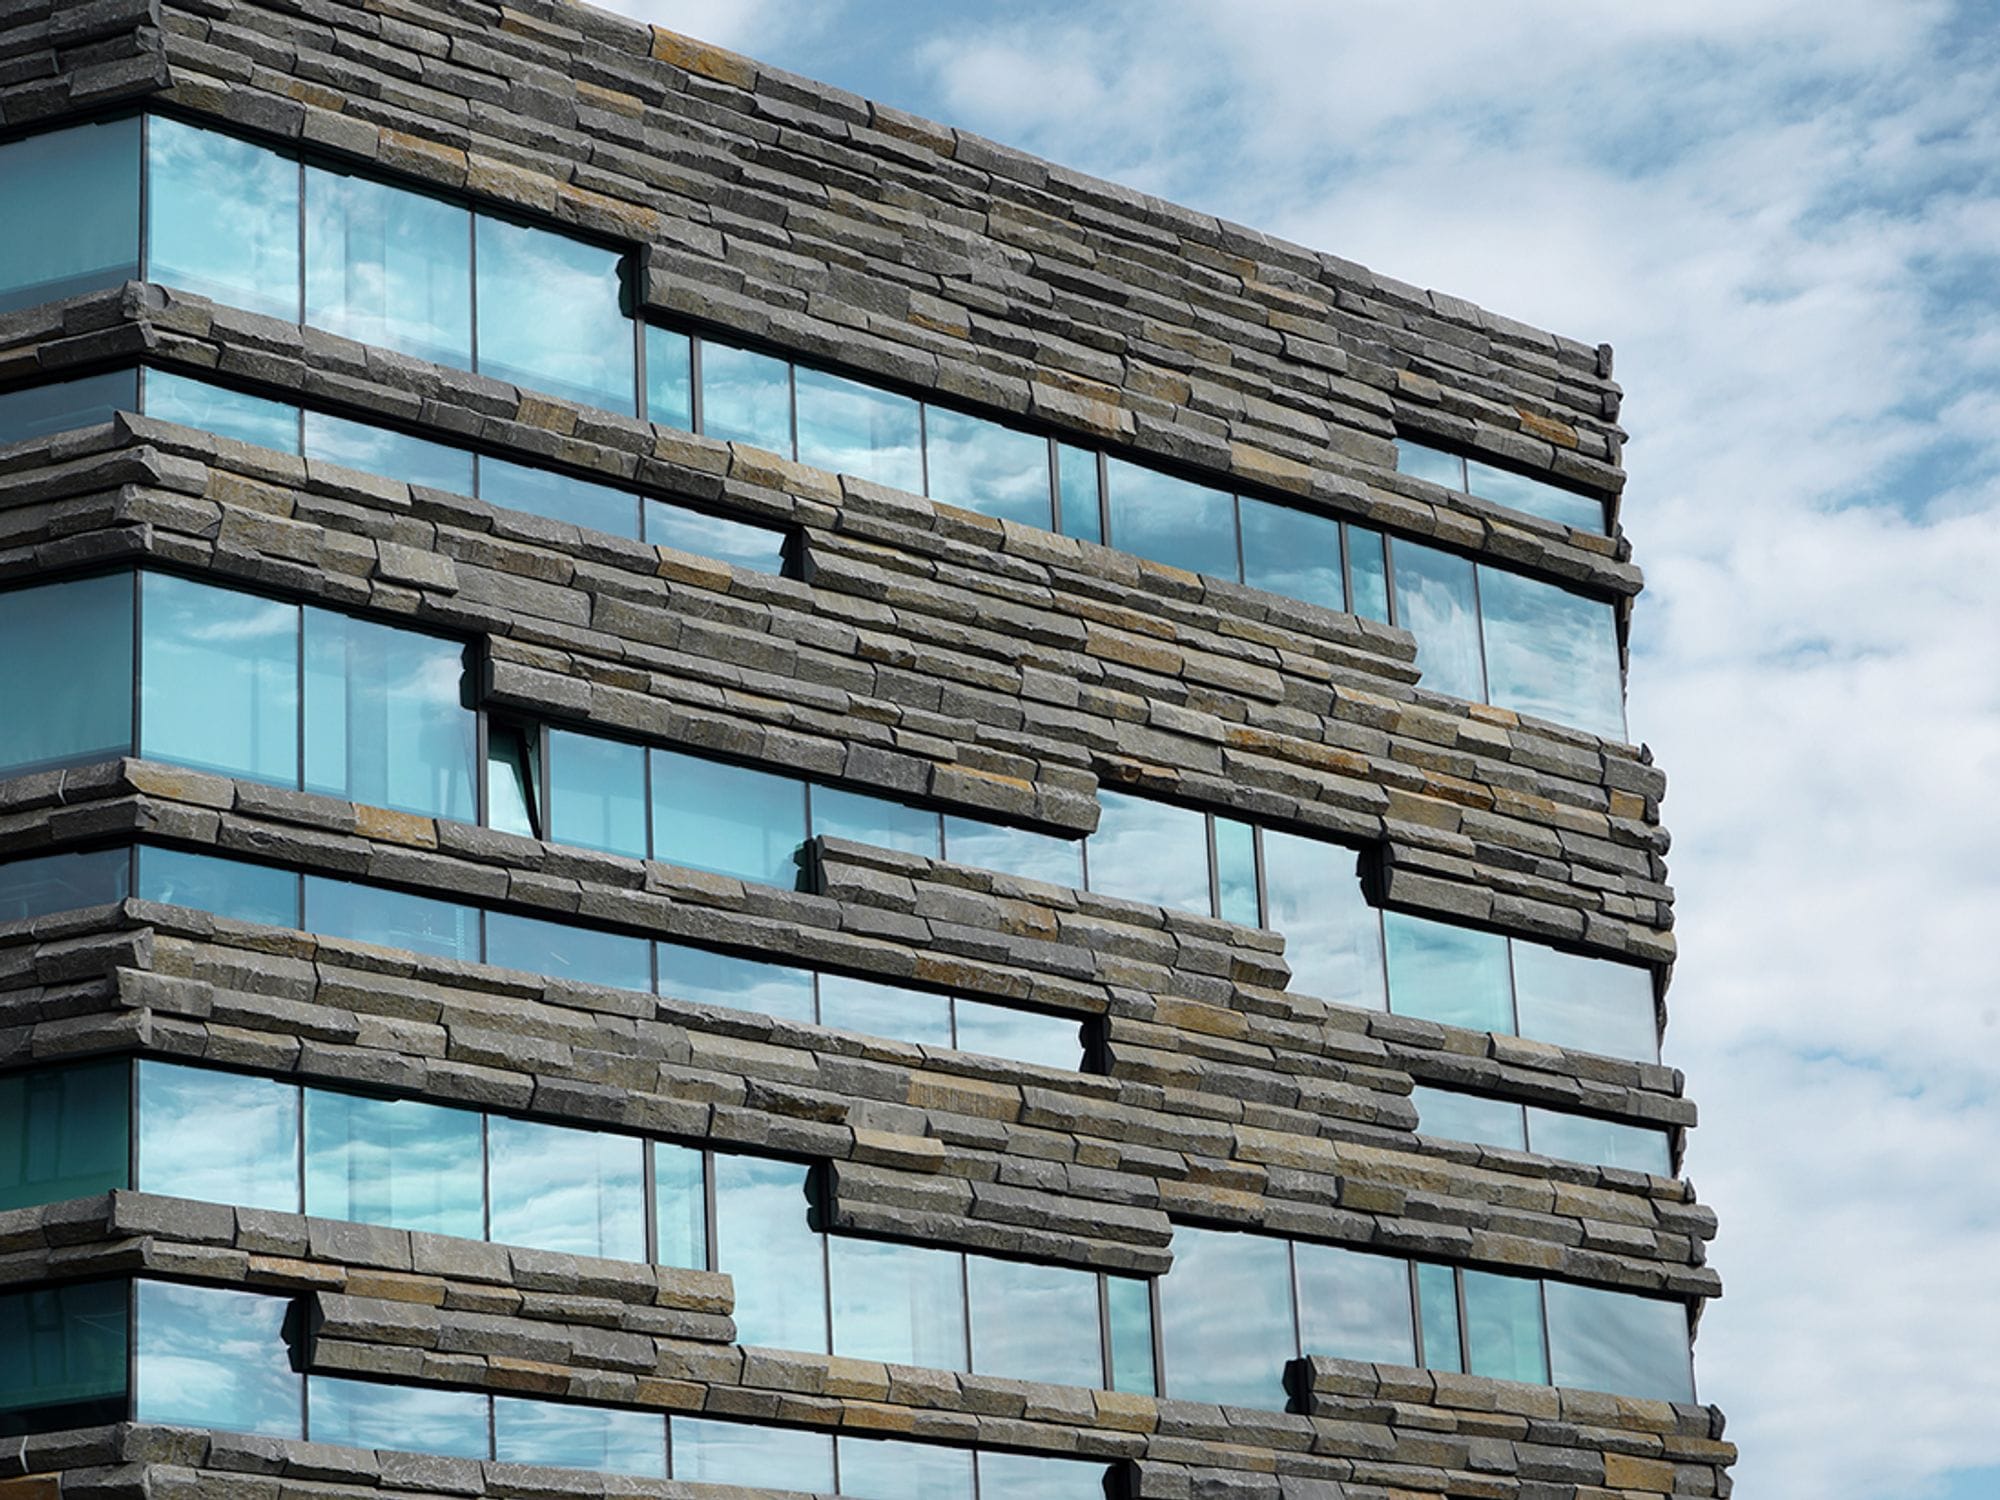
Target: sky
[1785,216]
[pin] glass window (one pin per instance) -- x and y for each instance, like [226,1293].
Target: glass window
[1451,975]
[1333,937]
[218,409]
[1367,573]
[392,919]
[732,820]
[564,952]
[1129,1303]
[765,1241]
[710,978]
[1452,1116]
[388,717]
[558,497]
[886,1469]
[1420,462]
[1292,552]
[390,267]
[1236,871]
[1434,602]
[863,819]
[83,233]
[65,1364]
[857,429]
[566,1435]
[755,1457]
[513,778]
[577,1192]
[64,1133]
[219,684]
[1591,1004]
[669,379]
[63,882]
[1503,1327]
[1034,1322]
[222,219]
[1355,1306]
[409,1418]
[1027,1036]
[1226,1318]
[387,452]
[1535,496]
[681,1206]
[597,793]
[1437,1299]
[218,1137]
[1604,1143]
[550,316]
[888,1010]
[1602,1340]
[229,888]
[72,703]
[214,1358]
[981,466]
[1013,851]
[1076,470]
[1030,1476]
[39,410]
[1150,851]
[1172,521]
[400,1163]
[757,549]
[900,1304]
[746,397]
[1552,654]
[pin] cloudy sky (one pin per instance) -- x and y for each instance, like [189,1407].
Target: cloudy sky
[1786,216]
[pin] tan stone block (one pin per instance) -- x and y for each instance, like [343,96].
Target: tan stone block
[412,153]
[500,179]
[699,57]
[394,827]
[1270,468]
[676,1395]
[549,416]
[964,1096]
[856,1379]
[1208,1020]
[1548,429]
[508,1374]
[1428,812]
[283,1270]
[870,1416]
[1622,1471]
[629,105]
[1122,1411]
[32,1487]
[394,1286]
[701,572]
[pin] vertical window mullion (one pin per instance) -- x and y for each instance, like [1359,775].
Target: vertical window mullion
[1104,499]
[1236,523]
[1464,1322]
[694,382]
[649,1193]
[138,736]
[1214,867]
[1479,628]
[300,301]
[1514,1001]
[1055,487]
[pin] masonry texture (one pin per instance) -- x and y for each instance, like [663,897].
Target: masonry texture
[984,667]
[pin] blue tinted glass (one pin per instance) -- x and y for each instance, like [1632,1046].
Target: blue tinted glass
[83,232]
[513,779]
[410,1418]
[1028,1476]
[1552,654]
[1012,851]
[1150,851]
[864,819]
[391,919]
[1591,1004]
[72,703]
[543,492]
[760,1458]
[578,1192]
[390,267]
[226,413]
[884,1010]
[389,720]
[227,887]
[1129,1308]
[550,317]
[980,465]
[746,397]
[1614,1341]
[1437,1299]
[1033,1322]
[222,219]
[597,793]
[1448,974]
[885,1469]
[764,1240]
[1434,602]
[400,1163]
[1172,521]
[66,405]
[681,1207]
[1603,1143]
[220,680]
[710,978]
[1236,871]
[899,1304]
[1433,464]
[1367,573]
[1355,1306]
[669,381]
[1019,1035]
[1226,1318]
[1076,469]
[64,1133]
[1292,552]
[729,819]
[569,1436]
[63,882]
[391,454]
[1503,1327]
[565,952]
[65,1364]
[1451,1116]
[218,1137]
[213,1358]
[757,548]
[1537,498]
[853,428]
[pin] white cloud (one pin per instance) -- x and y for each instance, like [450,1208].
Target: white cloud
[749,26]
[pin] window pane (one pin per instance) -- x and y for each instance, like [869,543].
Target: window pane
[1226,1318]
[1028,1476]
[1437,1298]
[66,405]
[1013,851]
[900,1304]
[1537,498]
[83,233]
[732,820]
[1236,871]
[1172,521]
[597,793]
[1433,464]
[550,317]
[227,887]
[222,411]
[1292,552]
[392,919]
[63,882]
[1453,1116]
[681,1206]
[1076,469]
[65,1364]
[513,778]
[389,720]
[64,1133]
[74,703]
[710,978]
[1033,1322]
[669,383]
[885,1469]
[763,1458]
[1503,1327]
[1551,653]
[888,1010]
[570,1436]
[1150,851]
[1604,1143]
[409,1418]
[565,952]
[862,819]
[1434,603]
[219,680]
[764,1241]
[1367,574]
[578,1192]
[390,267]
[756,548]
[214,1358]
[387,452]
[1355,1306]
[1130,1304]
[1591,1004]
[400,1163]
[1451,975]
[853,428]
[982,466]
[222,219]
[1027,1036]
[1333,937]
[1613,1341]
[746,397]
[218,1137]
[558,497]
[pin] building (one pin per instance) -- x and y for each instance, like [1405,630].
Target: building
[1144,968]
